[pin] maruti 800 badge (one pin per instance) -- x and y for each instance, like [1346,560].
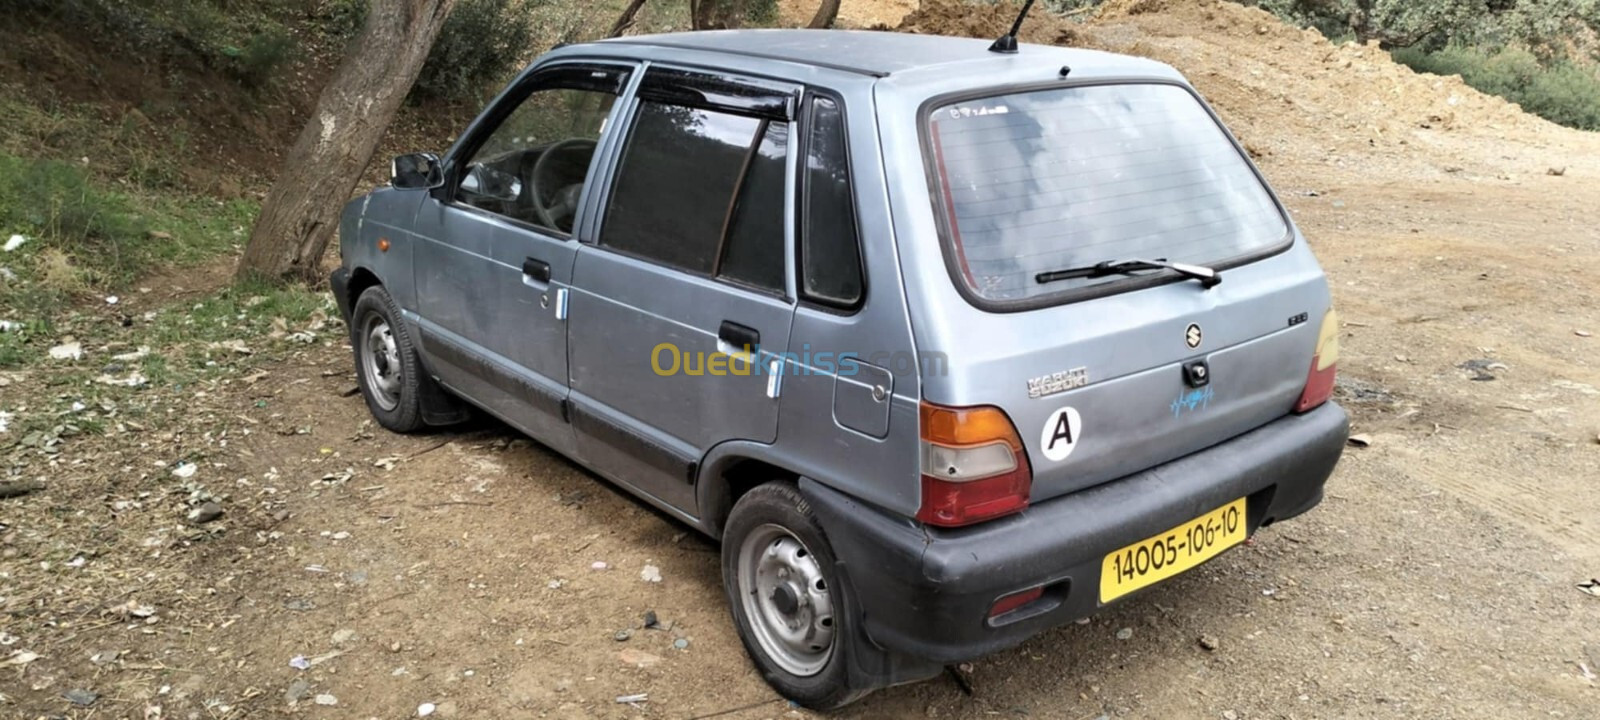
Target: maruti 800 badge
[1055,383]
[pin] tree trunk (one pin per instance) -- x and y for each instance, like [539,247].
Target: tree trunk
[301,213]
[826,14]
[626,20]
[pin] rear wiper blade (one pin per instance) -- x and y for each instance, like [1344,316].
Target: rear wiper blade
[1208,277]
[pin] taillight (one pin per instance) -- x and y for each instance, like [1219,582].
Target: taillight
[1319,382]
[973,466]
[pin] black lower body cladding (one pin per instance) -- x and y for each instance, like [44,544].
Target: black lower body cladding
[339,282]
[926,592]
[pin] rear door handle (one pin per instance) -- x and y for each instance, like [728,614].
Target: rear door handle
[742,337]
[536,269]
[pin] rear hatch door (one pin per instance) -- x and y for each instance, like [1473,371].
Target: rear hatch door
[1097,371]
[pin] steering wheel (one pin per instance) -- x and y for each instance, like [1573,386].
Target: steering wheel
[563,204]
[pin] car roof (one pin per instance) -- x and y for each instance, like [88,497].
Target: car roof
[882,54]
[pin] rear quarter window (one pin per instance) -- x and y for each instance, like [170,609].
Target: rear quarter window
[1031,182]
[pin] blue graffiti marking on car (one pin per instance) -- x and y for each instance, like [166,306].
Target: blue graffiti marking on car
[1192,401]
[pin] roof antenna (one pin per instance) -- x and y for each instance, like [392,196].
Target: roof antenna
[1007,44]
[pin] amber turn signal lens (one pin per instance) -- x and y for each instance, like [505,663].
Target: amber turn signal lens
[383,244]
[956,427]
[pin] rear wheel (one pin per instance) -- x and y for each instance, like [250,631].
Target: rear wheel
[386,362]
[778,571]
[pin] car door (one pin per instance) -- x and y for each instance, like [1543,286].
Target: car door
[681,307]
[497,243]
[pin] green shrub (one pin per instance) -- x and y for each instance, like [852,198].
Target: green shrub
[1558,90]
[261,57]
[480,43]
[249,39]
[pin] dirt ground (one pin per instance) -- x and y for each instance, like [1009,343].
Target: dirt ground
[1438,579]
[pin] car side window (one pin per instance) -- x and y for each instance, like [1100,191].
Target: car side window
[752,250]
[531,167]
[702,190]
[830,245]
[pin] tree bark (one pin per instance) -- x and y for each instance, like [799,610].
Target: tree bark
[826,14]
[301,213]
[626,20]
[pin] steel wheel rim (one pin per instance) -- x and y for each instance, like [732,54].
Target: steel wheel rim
[380,360]
[786,600]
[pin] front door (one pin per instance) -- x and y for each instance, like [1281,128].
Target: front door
[494,265]
[681,309]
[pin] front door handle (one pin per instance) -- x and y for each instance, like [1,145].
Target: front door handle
[536,269]
[739,336]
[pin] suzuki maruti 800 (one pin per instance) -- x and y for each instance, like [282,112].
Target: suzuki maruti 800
[948,344]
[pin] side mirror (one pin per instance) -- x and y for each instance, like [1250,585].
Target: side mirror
[417,171]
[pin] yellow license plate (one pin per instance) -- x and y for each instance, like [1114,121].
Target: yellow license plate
[1154,559]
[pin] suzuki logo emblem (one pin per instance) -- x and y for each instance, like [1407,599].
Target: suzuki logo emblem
[1193,336]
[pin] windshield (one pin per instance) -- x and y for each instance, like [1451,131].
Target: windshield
[1040,181]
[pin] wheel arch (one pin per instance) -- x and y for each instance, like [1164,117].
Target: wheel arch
[730,470]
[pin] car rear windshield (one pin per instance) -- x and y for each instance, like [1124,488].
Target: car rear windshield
[1065,178]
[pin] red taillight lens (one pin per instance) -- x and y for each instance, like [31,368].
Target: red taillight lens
[1014,601]
[1319,382]
[973,467]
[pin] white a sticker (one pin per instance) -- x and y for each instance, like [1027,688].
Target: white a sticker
[1060,435]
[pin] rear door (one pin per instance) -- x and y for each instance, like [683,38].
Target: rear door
[681,309]
[1108,375]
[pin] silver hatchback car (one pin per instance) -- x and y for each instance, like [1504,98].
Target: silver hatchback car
[947,346]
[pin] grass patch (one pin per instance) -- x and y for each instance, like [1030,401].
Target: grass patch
[82,239]
[1557,90]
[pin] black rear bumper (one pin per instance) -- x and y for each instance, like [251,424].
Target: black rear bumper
[926,592]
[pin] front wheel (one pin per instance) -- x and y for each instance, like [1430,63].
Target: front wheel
[386,362]
[791,613]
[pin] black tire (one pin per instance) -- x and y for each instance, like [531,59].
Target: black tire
[779,504]
[394,396]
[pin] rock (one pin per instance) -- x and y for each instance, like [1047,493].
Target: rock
[681,643]
[81,697]
[1361,440]
[1125,633]
[159,235]
[1556,172]
[184,470]
[343,636]
[638,658]
[1210,643]
[650,619]
[1583,333]
[325,699]
[650,573]
[67,351]
[208,511]
[426,709]
[298,690]
[447,709]
[1229,715]
[622,635]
